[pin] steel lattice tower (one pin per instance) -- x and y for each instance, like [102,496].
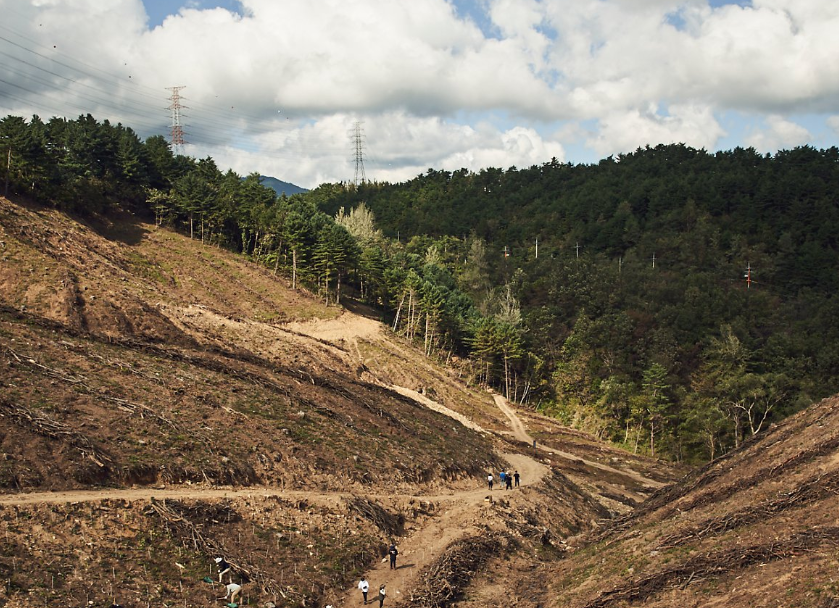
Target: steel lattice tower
[358,139]
[177,133]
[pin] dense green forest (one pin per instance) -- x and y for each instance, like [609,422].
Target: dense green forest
[671,300]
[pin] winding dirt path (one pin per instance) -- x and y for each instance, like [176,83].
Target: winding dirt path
[520,433]
[459,513]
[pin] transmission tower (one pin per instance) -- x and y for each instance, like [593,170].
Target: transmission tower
[177,132]
[358,140]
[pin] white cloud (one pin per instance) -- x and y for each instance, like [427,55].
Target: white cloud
[396,147]
[779,134]
[627,131]
[279,86]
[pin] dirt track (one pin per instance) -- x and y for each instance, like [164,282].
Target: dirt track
[459,515]
[520,433]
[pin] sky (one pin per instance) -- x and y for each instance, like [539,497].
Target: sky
[314,91]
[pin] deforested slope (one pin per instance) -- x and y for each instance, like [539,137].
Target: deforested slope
[755,528]
[164,401]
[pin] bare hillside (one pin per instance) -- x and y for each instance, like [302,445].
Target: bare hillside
[755,528]
[164,402]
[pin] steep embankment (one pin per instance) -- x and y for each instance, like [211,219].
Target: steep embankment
[755,528]
[177,402]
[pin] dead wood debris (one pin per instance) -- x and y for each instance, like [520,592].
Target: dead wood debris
[42,425]
[81,382]
[222,512]
[444,581]
[716,563]
[761,475]
[811,491]
[387,522]
[666,498]
[189,533]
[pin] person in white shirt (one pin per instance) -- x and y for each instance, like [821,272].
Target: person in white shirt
[233,590]
[365,587]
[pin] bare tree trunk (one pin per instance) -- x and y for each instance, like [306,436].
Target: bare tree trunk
[637,438]
[294,268]
[506,377]
[398,312]
[409,330]
[652,439]
[338,289]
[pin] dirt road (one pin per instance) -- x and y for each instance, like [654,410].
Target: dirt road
[459,512]
[520,433]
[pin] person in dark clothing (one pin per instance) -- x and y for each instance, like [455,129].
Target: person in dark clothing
[489,481]
[381,596]
[508,482]
[516,477]
[393,552]
[223,568]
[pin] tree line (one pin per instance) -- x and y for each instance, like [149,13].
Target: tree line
[88,167]
[612,295]
[671,300]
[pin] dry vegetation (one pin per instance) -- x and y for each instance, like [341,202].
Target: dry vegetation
[173,402]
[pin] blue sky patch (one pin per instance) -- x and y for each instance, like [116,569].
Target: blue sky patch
[158,10]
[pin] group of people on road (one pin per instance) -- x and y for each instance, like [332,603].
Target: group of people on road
[505,478]
[364,586]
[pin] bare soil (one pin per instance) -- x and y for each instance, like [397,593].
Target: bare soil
[164,402]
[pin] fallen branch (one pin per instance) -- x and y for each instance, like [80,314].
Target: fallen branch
[715,564]
[55,430]
[392,525]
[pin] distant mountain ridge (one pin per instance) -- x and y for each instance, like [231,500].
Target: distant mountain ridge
[280,186]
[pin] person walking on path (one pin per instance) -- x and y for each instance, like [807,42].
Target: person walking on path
[489,481]
[381,596]
[508,481]
[393,552]
[516,477]
[365,587]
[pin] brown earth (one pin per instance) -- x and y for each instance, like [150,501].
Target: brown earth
[164,402]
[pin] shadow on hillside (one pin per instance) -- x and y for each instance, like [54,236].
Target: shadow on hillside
[361,309]
[115,225]
[119,227]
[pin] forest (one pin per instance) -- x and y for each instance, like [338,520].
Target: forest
[670,300]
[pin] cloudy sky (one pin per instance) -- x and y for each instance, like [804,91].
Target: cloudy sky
[283,87]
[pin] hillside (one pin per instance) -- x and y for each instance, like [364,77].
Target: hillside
[165,401]
[280,187]
[710,276]
[754,528]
